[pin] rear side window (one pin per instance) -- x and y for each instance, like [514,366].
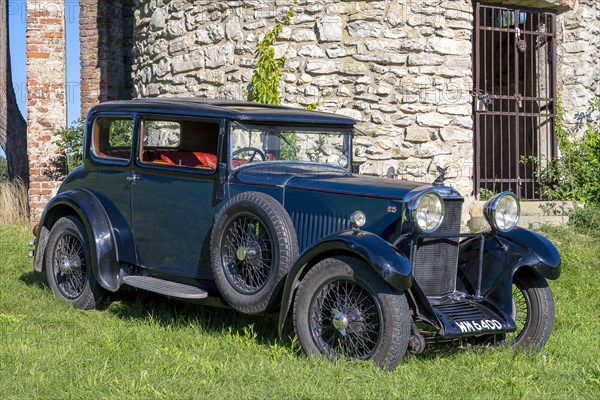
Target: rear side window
[166,134]
[112,137]
[181,143]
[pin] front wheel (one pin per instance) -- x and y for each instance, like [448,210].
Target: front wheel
[533,312]
[344,309]
[68,264]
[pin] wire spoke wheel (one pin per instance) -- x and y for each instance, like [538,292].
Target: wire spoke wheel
[520,313]
[247,256]
[253,245]
[69,266]
[345,320]
[533,312]
[344,309]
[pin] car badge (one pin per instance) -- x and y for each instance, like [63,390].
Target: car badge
[391,209]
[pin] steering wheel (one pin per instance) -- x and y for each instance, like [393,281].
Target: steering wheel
[254,151]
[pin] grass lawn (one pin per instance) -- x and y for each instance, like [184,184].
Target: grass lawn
[143,346]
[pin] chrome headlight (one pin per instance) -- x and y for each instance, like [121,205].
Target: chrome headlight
[502,211]
[358,219]
[426,211]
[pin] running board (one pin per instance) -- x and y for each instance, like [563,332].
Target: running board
[166,288]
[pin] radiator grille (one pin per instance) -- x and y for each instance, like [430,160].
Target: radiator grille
[311,227]
[462,312]
[435,260]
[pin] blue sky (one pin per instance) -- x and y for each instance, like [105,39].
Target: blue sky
[17,17]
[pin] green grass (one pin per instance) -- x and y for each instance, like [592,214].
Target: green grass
[144,346]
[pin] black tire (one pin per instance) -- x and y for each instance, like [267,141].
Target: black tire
[253,246]
[344,309]
[533,312]
[68,265]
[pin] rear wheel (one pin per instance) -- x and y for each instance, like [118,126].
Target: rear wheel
[68,264]
[344,309]
[533,312]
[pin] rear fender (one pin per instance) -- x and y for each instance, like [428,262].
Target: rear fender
[103,250]
[392,266]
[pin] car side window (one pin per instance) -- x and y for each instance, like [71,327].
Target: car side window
[112,137]
[179,143]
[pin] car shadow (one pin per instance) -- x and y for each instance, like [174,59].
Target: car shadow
[35,279]
[141,305]
[133,304]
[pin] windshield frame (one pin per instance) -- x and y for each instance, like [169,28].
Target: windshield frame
[347,131]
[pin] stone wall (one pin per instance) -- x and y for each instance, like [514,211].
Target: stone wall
[46,103]
[579,59]
[403,69]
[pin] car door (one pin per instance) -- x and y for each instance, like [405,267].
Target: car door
[174,194]
[107,174]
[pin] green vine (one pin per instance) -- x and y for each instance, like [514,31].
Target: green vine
[575,175]
[264,85]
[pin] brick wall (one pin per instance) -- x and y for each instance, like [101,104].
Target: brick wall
[104,75]
[46,103]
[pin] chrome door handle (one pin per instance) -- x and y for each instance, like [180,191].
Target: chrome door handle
[133,178]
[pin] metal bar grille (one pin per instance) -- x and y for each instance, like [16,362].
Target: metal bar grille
[435,260]
[515,98]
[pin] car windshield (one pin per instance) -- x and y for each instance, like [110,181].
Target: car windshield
[252,143]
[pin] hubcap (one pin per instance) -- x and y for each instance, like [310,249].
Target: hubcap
[64,265]
[241,254]
[340,322]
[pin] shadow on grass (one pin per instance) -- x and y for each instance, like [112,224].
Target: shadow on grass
[132,304]
[35,279]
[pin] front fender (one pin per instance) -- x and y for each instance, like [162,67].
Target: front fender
[542,255]
[103,249]
[505,254]
[380,255]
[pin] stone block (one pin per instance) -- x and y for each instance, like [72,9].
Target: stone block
[329,28]
[420,59]
[316,67]
[348,112]
[303,35]
[456,134]
[417,135]
[312,51]
[336,52]
[218,56]
[446,46]
[430,149]
[364,29]
[187,62]
[462,109]
[433,120]
[159,19]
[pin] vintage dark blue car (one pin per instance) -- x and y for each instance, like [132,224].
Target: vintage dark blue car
[256,207]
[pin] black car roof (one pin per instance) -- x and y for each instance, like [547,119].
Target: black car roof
[236,110]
